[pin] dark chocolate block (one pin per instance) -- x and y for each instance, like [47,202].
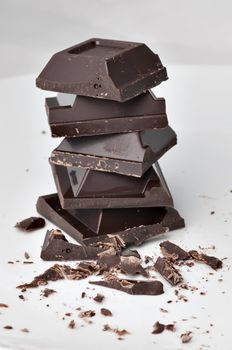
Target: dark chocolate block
[128,154]
[80,188]
[108,69]
[73,116]
[88,226]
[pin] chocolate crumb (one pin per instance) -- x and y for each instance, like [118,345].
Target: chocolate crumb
[68,314]
[47,291]
[72,324]
[163,310]
[3,305]
[10,262]
[43,132]
[88,313]
[212,212]
[28,262]
[159,327]
[169,301]
[21,296]
[106,312]
[99,298]
[27,256]
[83,295]
[25,330]
[186,337]
[8,327]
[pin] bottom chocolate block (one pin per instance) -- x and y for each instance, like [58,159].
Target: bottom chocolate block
[87,225]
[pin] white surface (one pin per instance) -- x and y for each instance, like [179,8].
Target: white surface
[198,172]
[181,31]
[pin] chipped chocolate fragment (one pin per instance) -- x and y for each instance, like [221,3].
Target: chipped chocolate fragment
[168,271]
[212,261]
[186,337]
[26,255]
[72,324]
[129,252]
[159,327]
[173,252]
[25,330]
[47,291]
[83,295]
[8,327]
[88,313]
[131,265]
[106,312]
[133,287]
[3,305]
[21,296]
[98,298]
[31,223]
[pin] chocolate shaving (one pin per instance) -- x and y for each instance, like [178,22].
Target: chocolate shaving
[106,312]
[173,252]
[212,261]
[186,337]
[32,223]
[46,292]
[133,287]
[3,305]
[99,298]
[159,328]
[59,272]
[168,271]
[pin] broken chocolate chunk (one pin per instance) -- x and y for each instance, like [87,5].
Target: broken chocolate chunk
[98,298]
[106,312]
[134,287]
[88,313]
[212,261]
[168,271]
[72,324]
[131,265]
[159,327]
[30,224]
[186,337]
[46,292]
[8,327]
[172,251]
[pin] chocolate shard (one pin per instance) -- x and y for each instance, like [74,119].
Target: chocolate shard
[127,154]
[30,224]
[80,188]
[159,327]
[133,226]
[108,259]
[56,247]
[172,251]
[130,252]
[212,261]
[59,272]
[99,298]
[168,271]
[134,287]
[108,69]
[132,265]
[75,116]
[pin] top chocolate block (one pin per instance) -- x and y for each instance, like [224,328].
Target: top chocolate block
[100,68]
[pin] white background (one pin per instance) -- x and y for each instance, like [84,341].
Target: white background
[193,39]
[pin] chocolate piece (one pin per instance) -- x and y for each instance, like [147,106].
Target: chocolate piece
[88,313]
[74,116]
[108,259]
[172,251]
[131,265]
[168,271]
[212,261]
[129,253]
[106,312]
[59,272]
[31,223]
[56,247]
[8,327]
[109,69]
[128,154]
[99,298]
[25,330]
[3,305]
[89,189]
[26,255]
[72,324]
[159,327]
[47,291]
[186,337]
[90,227]
[133,287]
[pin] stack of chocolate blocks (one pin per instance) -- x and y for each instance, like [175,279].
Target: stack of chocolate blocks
[114,130]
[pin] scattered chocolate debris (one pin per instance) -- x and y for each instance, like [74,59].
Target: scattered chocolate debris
[88,313]
[186,337]
[8,327]
[168,271]
[172,251]
[106,312]
[83,295]
[120,333]
[98,298]
[72,324]
[46,292]
[212,261]
[25,330]
[4,305]
[27,256]
[159,328]
[21,296]
[31,223]
[134,287]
